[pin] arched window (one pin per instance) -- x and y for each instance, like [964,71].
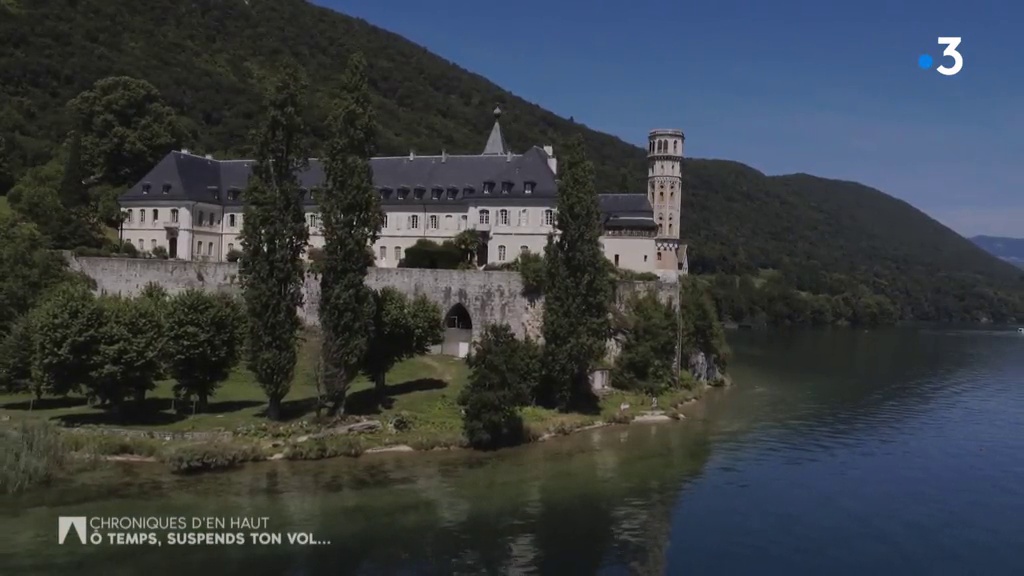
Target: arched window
[448,220]
[384,224]
[131,216]
[659,256]
[142,215]
[398,253]
[524,217]
[524,249]
[383,252]
[549,217]
[501,253]
[199,247]
[503,217]
[669,228]
[485,217]
[463,222]
[156,214]
[661,196]
[414,222]
[201,218]
[433,222]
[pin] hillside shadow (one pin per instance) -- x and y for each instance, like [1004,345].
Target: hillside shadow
[230,406]
[45,404]
[367,402]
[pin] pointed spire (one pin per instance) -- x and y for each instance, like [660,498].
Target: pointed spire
[496,141]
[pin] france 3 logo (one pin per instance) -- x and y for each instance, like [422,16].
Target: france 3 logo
[925,61]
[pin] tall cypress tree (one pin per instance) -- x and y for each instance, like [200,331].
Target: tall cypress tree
[578,289]
[274,235]
[352,219]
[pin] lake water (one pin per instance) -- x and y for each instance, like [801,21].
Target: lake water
[839,452]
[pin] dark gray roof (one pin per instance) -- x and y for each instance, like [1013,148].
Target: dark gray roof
[626,211]
[199,179]
[496,141]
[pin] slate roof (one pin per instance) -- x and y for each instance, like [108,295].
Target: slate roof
[496,141]
[626,211]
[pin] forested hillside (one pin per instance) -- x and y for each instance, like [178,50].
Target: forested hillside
[831,245]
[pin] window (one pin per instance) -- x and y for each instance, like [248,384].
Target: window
[145,188]
[199,247]
[549,217]
[383,253]
[166,188]
[659,256]
[669,228]
[433,222]
[501,253]
[201,217]
[503,217]
[231,220]
[398,253]
[524,217]
[528,187]
[616,259]
[414,222]
[419,193]
[485,217]
[231,247]
[152,244]
[211,218]
[463,222]
[524,250]
[403,193]
[142,215]
[130,216]
[233,194]
[142,244]
[488,187]
[506,187]
[174,215]
[448,221]
[209,248]
[661,196]
[452,193]
[314,221]
[645,257]
[672,195]
[384,224]
[435,194]
[156,214]
[675,146]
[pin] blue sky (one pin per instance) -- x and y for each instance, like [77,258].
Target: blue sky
[828,88]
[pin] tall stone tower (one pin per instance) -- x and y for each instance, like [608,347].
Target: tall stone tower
[665,191]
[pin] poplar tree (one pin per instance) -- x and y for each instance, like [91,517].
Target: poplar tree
[352,219]
[578,288]
[273,238]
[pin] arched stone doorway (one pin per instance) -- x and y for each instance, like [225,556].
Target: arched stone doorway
[458,332]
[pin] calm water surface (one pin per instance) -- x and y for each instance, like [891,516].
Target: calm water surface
[841,452]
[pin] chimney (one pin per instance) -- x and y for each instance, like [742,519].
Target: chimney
[412,155]
[444,156]
[184,150]
[552,161]
[508,157]
[209,156]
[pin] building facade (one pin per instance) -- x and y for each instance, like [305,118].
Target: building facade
[192,206]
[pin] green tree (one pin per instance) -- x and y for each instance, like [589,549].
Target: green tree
[69,340]
[29,269]
[125,128]
[203,342]
[701,329]
[352,219]
[128,361]
[36,198]
[649,333]
[504,370]
[467,242]
[402,328]
[578,289]
[16,350]
[6,170]
[274,236]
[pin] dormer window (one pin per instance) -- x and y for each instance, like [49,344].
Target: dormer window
[312,193]
[488,187]
[214,192]
[468,190]
[233,194]
[419,192]
[453,193]
[167,187]
[506,187]
[435,194]
[145,188]
[403,193]
[528,187]
[385,193]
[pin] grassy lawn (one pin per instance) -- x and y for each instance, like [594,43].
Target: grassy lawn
[421,395]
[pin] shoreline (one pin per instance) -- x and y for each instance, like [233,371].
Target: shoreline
[189,452]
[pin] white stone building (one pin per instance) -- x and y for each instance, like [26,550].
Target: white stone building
[192,205]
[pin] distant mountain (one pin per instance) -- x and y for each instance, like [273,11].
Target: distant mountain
[207,58]
[1009,249]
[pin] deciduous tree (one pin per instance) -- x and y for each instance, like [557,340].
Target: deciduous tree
[578,289]
[274,236]
[203,343]
[352,219]
[402,328]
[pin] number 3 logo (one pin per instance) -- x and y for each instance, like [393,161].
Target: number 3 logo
[951,42]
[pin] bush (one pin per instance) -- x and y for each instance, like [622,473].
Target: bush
[208,456]
[504,372]
[233,255]
[31,454]
[128,249]
[160,252]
